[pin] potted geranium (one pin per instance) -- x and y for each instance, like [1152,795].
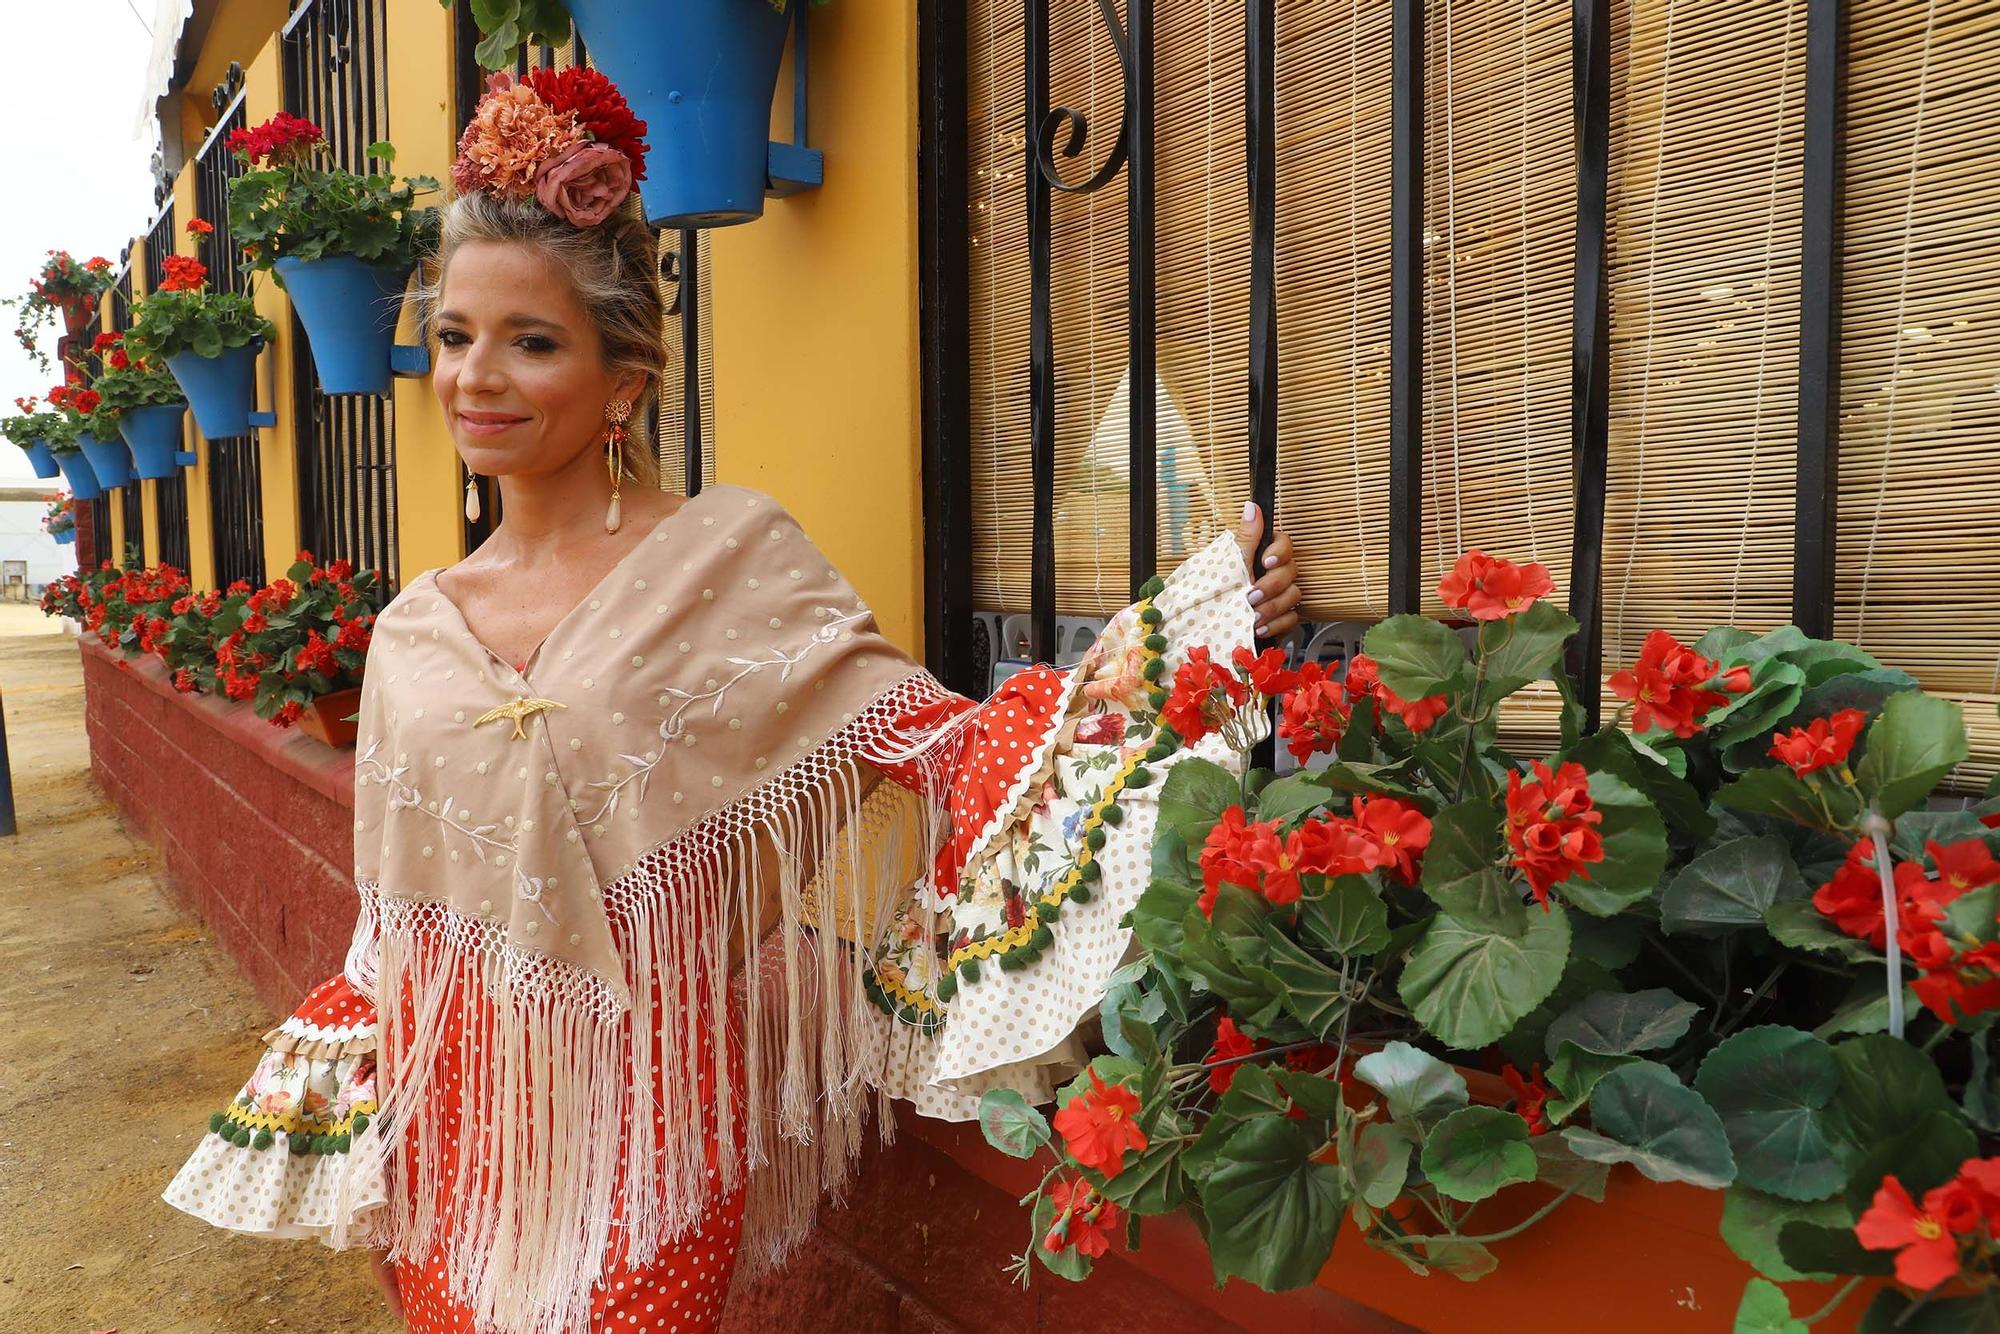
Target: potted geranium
[64,286]
[144,403]
[209,341]
[700,75]
[30,430]
[341,244]
[296,648]
[1628,934]
[60,521]
[86,461]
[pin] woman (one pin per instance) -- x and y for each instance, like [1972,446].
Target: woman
[631,743]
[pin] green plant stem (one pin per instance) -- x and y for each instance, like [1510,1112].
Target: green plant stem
[1504,1233]
[1763,990]
[1838,1297]
[1685,971]
[1472,717]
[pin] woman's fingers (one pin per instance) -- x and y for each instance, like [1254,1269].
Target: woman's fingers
[385,1274]
[1275,614]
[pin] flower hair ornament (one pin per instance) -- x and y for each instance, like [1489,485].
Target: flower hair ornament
[566,137]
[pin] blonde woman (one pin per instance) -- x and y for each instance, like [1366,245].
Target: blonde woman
[642,929]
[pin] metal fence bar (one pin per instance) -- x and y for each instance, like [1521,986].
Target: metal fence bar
[1041,343]
[1406,308]
[1261,142]
[1590,336]
[1818,474]
[171,503]
[1141,299]
[690,303]
[236,508]
[215,168]
[132,506]
[159,245]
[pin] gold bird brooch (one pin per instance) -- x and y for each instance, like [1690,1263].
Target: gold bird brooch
[519,710]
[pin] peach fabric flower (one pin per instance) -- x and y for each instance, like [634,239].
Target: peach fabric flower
[585,184]
[512,135]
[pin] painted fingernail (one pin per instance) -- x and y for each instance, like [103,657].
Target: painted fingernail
[1270,562]
[1263,631]
[1249,510]
[1256,596]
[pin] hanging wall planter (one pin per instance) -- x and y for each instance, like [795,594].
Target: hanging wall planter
[153,434]
[349,309]
[701,74]
[109,459]
[82,479]
[221,389]
[327,718]
[65,538]
[41,459]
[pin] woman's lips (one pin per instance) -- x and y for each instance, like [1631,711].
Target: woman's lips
[487,423]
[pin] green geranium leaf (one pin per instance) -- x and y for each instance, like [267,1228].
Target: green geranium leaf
[1411,1080]
[1466,1261]
[1381,1164]
[1252,1094]
[1286,799]
[1776,792]
[1982,1090]
[1461,874]
[1559,1168]
[1351,776]
[1731,886]
[1614,752]
[1467,986]
[1923,1156]
[1349,919]
[1152,1183]
[1416,656]
[1797,923]
[1193,798]
[1775,691]
[1912,743]
[1525,652]
[1316,995]
[1635,850]
[1814,1248]
[1158,916]
[1476,1151]
[1644,1116]
[1886,1087]
[1574,1074]
[1612,1023]
[1765,1310]
[1771,1086]
[1069,1262]
[1272,1211]
[1891,1313]
[1010,1125]
[1752,1222]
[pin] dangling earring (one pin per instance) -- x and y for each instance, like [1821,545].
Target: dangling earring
[471,497]
[617,412]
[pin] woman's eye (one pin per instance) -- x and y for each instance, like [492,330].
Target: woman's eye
[452,338]
[535,343]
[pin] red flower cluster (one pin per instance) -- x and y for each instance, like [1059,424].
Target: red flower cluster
[1100,1124]
[1958,1221]
[1552,826]
[200,227]
[1363,683]
[1204,696]
[1958,978]
[74,399]
[182,273]
[1531,1097]
[600,109]
[1084,1220]
[1667,686]
[1490,588]
[282,138]
[1383,835]
[1820,744]
[97,264]
[1231,1043]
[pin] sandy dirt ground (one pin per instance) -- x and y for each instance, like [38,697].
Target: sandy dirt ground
[122,1027]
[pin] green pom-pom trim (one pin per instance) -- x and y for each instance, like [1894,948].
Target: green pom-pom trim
[947,986]
[298,1144]
[322,1144]
[1095,839]
[1139,777]
[1113,815]
[217,1122]
[262,1140]
[1152,616]
[1048,910]
[968,972]
[1154,669]
[342,1141]
[1159,698]
[240,1137]
[1013,961]
[1157,643]
[1151,588]
[1080,892]
[1042,939]
[361,1118]
[1090,870]
[1159,752]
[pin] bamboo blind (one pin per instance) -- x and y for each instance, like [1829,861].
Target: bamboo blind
[1499,246]
[1918,530]
[1707,117]
[673,383]
[1334,171]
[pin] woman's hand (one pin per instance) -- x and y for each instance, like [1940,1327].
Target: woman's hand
[385,1274]
[1276,591]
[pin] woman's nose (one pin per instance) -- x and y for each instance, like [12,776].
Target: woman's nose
[479,369]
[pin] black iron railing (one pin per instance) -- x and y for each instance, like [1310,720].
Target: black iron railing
[236,510]
[100,532]
[215,168]
[159,244]
[131,504]
[336,76]
[121,294]
[171,503]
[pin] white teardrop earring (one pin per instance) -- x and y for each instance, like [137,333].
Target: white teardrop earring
[471,497]
[617,412]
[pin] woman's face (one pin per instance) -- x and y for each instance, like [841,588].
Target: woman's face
[519,368]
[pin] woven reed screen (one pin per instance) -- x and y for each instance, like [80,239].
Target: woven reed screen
[1703,260]
[1334,164]
[673,383]
[1918,534]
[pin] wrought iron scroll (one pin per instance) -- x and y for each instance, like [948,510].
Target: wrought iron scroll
[1055,119]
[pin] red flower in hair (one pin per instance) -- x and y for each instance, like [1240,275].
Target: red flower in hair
[599,107]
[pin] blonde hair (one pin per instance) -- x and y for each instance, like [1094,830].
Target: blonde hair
[614,268]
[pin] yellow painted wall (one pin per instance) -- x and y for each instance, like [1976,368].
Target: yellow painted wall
[201,525]
[815,306]
[237,32]
[277,449]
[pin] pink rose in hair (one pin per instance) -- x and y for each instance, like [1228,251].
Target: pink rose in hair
[585,184]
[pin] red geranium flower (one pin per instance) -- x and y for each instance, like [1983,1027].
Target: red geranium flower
[1736,680]
[1203,697]
[1552,826]
[1490,588]
[1361,679]
[1397,831]
[1266,671]
[1100,1124]
[1417,714]
[200,227]
[1084,1220]
[1313,714]
[1531,1096]
[1926,1250]
[600,108]
[182,273]
[1821,743]
[1230,1042]
[1665,686]
[1853,897]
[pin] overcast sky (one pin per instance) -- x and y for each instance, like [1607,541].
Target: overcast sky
[74,162]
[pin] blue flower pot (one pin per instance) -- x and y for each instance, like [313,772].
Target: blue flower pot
[82,481]
[153,434]
[222,390]
[349,310]
[109,459]
[701,74]
[65,537]
[39,458]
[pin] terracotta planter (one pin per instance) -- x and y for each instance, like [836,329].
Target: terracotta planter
[76,315]
[326,718]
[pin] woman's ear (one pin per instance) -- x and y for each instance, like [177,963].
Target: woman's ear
[632,386]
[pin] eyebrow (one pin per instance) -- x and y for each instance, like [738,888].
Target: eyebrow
[516,321]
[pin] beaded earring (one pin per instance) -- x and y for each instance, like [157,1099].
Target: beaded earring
[617,412]
[471,497]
